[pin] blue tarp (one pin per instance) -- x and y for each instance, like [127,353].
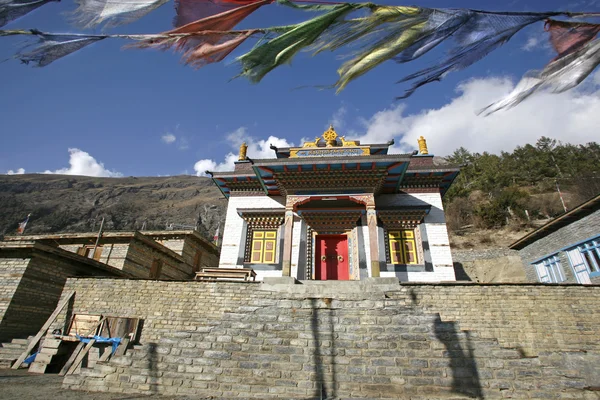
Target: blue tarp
[99,339]
[30,359]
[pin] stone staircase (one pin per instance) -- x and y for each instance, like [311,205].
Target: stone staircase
[9,352]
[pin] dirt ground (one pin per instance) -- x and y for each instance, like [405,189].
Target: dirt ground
[20,384]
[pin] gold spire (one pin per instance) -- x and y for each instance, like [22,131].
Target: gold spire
[423,145]
[330,136]
[243,149]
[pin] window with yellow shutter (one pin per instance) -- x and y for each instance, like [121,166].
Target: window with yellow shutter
[402,247]
[263,247]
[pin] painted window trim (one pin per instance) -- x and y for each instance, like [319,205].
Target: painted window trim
[572,246]
[264,239]
[548,263]
[414,241]
[572,265]
[556,253]
[596,249]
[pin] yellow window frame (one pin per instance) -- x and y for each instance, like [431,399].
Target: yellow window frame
[403,247]
[264,244]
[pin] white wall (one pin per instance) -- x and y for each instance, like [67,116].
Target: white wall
[232,232]
[434,235]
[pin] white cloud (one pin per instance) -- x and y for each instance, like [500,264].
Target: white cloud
[168,138]
[571,117]
[81,163]
[531,43]
[337,119]
[257,149]
[183,143]
[20,171]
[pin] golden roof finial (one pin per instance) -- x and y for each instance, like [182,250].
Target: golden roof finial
[243,149]
[330,136]
[423,145]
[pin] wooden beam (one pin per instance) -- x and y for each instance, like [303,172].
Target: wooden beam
[80,356]
[71,359]
[42,331]
[122,347]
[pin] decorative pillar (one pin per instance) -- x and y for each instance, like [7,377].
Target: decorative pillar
[369,201]
[287,241]
[373,239]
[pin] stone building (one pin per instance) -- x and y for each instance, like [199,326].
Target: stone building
[567,249]
[148,254]
[335,209]
[34,269]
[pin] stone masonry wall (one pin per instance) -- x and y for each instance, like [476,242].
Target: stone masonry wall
[11,272]
[139,260]
[580,230]
[436,341]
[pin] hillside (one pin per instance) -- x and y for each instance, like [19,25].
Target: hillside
[60,203]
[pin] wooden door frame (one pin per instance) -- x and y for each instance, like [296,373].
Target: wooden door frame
[317,260]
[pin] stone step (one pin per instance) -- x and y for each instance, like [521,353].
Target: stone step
[13,346]
[6,355]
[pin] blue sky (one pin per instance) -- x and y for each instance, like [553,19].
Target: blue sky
[121,107]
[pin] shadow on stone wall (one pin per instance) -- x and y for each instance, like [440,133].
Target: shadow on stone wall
[152,366]
[323,389]
[465,377]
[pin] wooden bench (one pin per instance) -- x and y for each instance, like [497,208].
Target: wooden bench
[213,274]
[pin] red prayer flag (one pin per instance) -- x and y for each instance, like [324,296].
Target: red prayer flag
[567,37]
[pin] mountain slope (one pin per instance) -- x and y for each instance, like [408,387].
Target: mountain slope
[60,203]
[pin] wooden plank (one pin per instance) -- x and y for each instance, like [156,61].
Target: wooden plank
[80,356]
[122,347]
[42,331]
[71,359]
[107,353]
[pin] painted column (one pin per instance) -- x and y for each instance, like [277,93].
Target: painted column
[373,239]
[288,229]
[368,199]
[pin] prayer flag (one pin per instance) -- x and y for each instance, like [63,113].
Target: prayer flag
[22,225]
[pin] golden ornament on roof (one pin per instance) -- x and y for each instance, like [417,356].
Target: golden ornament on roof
[330,136]
[423,145]
[243,149]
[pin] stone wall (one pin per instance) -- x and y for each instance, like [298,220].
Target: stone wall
[11,271]
[580,230]
[141,254]
[31,283]
[413,341]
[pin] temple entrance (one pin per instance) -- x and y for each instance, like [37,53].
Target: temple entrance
[331,255]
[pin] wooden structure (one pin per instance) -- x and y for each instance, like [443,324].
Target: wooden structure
[213,274]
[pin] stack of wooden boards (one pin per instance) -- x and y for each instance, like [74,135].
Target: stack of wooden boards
[213,274]
[83,345]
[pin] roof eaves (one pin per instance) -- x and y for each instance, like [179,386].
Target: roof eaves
[576,213]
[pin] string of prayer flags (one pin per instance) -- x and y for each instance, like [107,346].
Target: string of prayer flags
[387,31]
[209,39]
[475,33]
[204,33]
[13,9]
[291,39]
[91,13]
[193,10]
[577,57]
[51,47]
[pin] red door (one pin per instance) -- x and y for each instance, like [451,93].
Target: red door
[331,258]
